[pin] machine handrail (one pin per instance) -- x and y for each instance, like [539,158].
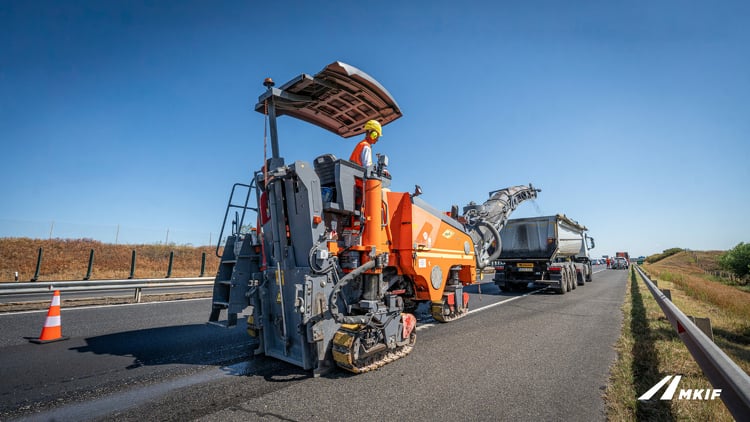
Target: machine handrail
[243,207]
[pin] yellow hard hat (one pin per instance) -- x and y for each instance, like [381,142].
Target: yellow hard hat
[374,125]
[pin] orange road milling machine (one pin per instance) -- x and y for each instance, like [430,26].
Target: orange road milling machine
[337,264]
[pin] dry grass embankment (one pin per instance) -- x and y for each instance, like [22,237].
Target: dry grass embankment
[649,348]
[64,259]
[687,270]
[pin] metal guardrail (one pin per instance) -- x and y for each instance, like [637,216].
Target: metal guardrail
[12,288]
[719,368]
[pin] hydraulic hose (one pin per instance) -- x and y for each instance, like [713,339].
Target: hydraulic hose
[498,244]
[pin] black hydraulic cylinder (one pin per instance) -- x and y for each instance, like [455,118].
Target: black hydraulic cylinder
[271,110]
[272,126]
[370,288]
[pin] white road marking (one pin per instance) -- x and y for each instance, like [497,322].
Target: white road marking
[483,308]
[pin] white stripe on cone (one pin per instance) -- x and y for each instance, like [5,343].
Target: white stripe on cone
[52,321]
[55,300]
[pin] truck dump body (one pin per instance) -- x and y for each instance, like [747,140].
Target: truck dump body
[541,238]
[549,250]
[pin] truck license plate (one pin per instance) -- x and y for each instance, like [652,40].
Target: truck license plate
[526,270]
[526,265]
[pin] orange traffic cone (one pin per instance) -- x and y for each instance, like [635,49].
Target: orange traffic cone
[52,330]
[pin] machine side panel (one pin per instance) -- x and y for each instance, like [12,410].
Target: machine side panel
[428,248]
[295,198]
[283,337]
[303,201]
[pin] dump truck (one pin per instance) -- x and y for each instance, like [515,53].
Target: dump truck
[325,261]
[551,251]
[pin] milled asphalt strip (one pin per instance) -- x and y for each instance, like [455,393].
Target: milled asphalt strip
[125,400]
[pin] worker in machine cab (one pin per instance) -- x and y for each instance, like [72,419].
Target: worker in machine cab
[362,154]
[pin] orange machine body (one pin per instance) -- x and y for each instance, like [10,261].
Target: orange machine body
[422,244]
[425,248]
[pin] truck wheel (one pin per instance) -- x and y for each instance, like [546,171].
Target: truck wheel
[579,279]
[570,281]
[563,283]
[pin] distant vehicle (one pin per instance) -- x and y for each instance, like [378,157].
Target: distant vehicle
[620,263]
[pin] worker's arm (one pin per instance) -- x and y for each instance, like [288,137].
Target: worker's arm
[366,156]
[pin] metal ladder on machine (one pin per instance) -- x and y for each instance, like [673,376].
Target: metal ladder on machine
[239,261]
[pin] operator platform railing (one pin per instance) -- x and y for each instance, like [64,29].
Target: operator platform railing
[719,368]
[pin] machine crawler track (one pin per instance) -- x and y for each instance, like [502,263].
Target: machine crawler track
[443,312]
[345,351]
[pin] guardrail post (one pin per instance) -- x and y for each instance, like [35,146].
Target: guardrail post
[137,297]
[667,293]
[705,325]
[38,266]
[91,265]
[132,266]
[203,264]
[171,260]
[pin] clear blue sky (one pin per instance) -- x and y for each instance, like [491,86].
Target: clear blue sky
[633,117]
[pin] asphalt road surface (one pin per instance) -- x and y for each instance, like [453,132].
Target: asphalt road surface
[537,356]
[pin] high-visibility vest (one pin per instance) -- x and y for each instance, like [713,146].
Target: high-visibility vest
[356,156]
